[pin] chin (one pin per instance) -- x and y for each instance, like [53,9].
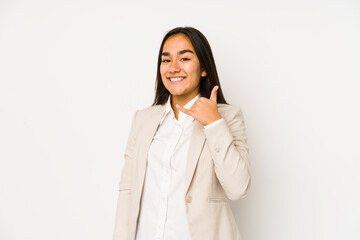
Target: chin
[176,92]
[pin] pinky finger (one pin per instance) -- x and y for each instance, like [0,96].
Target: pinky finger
[184,110]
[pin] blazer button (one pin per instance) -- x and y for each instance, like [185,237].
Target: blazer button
[217,149]
[188,199]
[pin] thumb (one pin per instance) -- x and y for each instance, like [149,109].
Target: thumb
[213,96]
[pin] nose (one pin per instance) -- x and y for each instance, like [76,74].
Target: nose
[174,67]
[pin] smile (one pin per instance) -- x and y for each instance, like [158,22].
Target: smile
[176,79]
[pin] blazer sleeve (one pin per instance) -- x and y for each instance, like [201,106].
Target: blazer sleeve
[227,142]
[123,203]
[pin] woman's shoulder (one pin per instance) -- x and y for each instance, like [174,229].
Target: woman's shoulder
[231,113]
[151,109]
[228,110]
[148,112]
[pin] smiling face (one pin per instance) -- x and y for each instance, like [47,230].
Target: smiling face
[180,68]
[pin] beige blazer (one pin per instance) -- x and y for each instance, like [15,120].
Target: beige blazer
[217,169]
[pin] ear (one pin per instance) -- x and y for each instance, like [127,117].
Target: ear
[203,73]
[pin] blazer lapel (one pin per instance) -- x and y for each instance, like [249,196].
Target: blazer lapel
[196,145]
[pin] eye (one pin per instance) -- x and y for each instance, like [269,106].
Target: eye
[165,60]
[185,59]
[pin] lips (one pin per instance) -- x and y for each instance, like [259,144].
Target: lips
[176,79]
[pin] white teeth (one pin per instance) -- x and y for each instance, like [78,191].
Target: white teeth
[176,79]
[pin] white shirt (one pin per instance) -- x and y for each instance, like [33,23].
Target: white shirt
[162,214]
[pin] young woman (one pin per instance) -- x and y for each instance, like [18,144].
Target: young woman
[186,154]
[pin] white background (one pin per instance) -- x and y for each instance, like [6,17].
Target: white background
[72,73]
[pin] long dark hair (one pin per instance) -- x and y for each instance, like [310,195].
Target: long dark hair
[207,62]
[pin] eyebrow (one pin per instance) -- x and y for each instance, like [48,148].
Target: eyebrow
[180,52]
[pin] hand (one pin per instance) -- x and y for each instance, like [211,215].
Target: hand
[204,110]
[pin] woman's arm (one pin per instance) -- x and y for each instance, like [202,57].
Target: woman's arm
[227,142]
[123,204]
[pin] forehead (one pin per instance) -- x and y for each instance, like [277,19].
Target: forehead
[177,43]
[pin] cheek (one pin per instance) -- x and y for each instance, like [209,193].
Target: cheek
[163,70]
[195,72]
[193,68]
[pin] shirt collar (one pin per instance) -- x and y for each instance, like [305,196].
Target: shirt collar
[168,108]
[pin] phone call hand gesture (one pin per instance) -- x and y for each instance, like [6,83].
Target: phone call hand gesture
[204,110]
